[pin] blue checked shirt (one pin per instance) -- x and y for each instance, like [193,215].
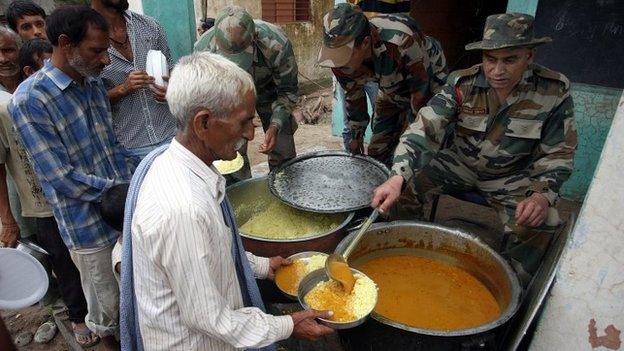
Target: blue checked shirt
[67,131]
[138,119]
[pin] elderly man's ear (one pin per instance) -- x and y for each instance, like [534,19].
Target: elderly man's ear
[204,124]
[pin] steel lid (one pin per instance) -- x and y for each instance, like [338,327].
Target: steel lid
[328,181]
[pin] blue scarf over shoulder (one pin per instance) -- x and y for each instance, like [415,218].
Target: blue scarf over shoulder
[129,319]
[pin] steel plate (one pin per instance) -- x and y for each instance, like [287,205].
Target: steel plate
[328,181]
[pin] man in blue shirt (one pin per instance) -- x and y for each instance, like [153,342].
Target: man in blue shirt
[63,117]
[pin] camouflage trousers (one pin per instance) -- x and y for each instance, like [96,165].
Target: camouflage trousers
[284,148]
[524,247]
[389,123]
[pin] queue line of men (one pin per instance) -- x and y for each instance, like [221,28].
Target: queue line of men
[513,140]
[19,188]
[88,239]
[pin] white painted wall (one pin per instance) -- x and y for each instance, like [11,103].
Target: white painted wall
[590,283]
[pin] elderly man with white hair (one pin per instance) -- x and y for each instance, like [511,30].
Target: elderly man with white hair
[194,285]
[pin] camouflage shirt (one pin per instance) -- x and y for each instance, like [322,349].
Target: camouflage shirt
[532,133]
[274,69]
[437,69]
[399,64]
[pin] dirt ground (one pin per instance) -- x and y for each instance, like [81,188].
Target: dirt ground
[28,320]
[308,138]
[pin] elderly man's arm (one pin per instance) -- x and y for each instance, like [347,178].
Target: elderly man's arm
[51,161]
[259,265]
[265,267]
[184,259]
[554,157]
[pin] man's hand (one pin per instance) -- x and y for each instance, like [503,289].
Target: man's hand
[385,195]
[270,139]
[532,211]
[275,263]
[158,91]
[137,80]
[307,328]
[356,146]
[9,234]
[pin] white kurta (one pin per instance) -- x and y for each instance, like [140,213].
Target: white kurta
[185,280]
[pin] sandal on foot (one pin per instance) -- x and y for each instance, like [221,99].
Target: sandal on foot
[85,337]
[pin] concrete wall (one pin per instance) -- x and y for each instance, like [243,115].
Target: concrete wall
[585,308]
[178,20]
[523,6]
[305,36]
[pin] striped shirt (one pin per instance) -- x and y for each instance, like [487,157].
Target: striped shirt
[66,130]
[138,119]
[187,291]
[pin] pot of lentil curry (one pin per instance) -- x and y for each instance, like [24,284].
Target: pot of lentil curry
[269,227]
[439,288]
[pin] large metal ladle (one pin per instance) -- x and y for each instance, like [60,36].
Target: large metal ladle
[336,265]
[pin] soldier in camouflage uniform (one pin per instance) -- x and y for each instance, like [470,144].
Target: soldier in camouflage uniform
[263,50]
[388,49]
[514,142]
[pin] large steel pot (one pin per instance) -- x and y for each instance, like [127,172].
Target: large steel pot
[453,246]
[255,196]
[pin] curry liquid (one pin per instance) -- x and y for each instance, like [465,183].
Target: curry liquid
[429,294]
[342,273]
[288,277]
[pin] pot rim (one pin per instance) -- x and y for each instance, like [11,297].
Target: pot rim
[334,230]
[344,223]
[506,315]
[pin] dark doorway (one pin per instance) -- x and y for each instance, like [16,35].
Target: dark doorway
[456,23]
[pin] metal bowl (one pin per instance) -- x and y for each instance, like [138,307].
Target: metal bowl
[304,256]
[29,247]
[310,281]
[251,196]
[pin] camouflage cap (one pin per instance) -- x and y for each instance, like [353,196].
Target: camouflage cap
[234,34]
[507,30]
[341,26]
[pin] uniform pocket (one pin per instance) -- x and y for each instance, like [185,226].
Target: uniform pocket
[524,128]
[521,136]
[471,124]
